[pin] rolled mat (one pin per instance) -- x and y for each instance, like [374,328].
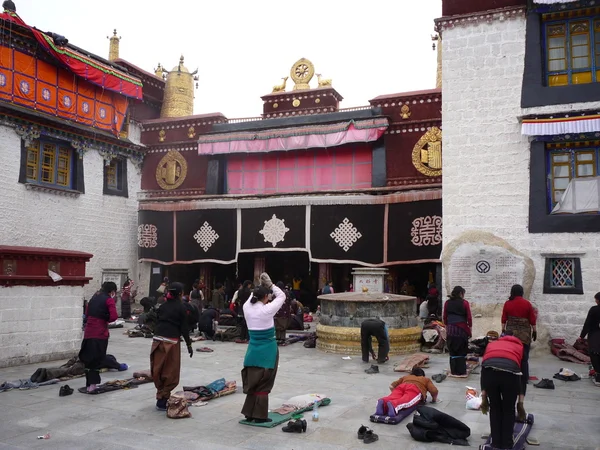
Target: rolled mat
[278,419]
[395,420]
[520,434]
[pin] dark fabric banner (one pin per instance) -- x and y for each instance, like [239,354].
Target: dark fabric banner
[274,228]
[415,231]
[206,235]
[347,233]
[155,236]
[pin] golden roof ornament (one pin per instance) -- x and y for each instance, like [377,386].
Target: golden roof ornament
[280,87]
[427,153]
[159,71]
[302,72]
[113,50]
[179,91]
[437,43]
[323,82]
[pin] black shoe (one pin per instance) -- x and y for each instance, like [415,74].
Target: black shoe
[372,369]
[545,383]
[248,419]
[438,378]
[65,390]
[161,405]
[293,427]
[370,437]
[263,420]
[362,431]
[383,361]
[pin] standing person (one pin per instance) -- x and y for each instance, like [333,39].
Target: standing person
[378,329]
[500,388]
[218,297]
[126,299]
[458,320]
[197,296]
[328,288]
[591,329]
[165,355]
[262,356]
[243,295]
[101,311]
[282,317]
[518,317]
[296,285]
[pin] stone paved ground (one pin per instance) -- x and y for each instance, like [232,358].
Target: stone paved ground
[566,418]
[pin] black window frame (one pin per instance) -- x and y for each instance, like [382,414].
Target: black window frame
[122,189]
[577,289]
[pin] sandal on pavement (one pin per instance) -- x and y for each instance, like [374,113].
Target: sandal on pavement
[362,431]
[370,437]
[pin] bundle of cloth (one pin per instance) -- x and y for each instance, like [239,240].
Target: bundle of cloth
[433,337]
[73,368]
[418,360]
[204,393]
[431,425]
[568,352]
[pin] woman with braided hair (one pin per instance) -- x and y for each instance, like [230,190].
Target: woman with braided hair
[262,356]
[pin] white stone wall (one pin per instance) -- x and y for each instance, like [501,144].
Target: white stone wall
[39,323]
[486,162]
[103,225]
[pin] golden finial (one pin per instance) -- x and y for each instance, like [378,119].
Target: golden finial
[113,50]
[179,91]
[437,43]
[159,71]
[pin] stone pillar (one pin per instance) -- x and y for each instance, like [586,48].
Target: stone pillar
[324,274]
[259,267]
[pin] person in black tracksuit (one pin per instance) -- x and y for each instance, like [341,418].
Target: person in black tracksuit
[206,322]
[376,328]
[591,329]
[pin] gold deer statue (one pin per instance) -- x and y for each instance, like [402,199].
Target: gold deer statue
[280,87]
[323,82]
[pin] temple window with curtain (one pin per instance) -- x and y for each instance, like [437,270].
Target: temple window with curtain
[115,177]
[572,46]
[573,182]
[50,163]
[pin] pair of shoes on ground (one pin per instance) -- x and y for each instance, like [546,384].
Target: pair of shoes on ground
[366,435]
[296,426]
[65,390]
[252,419]
[372,369]
[545,383]
[438,378]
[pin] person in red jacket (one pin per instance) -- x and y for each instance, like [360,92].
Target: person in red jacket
[100,312]
[518,317]
[500,388]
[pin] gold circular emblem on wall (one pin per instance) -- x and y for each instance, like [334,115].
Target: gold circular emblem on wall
[296,103]
[302,72]
[275,105]
[171,171]
[317,100]
[427,153]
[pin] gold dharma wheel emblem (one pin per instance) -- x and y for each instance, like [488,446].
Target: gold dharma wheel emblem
[427,153]
[302,72]
[171,171]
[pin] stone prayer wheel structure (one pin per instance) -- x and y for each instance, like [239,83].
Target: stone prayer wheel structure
[342,315]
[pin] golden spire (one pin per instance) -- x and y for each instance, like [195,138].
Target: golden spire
[113,50]
[437,41]
[178,100]
[159,71]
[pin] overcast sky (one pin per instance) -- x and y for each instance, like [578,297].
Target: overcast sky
[242,48]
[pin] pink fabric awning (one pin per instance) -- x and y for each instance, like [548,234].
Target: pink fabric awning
[293,138]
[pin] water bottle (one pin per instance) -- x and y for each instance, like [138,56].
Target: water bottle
[315,415]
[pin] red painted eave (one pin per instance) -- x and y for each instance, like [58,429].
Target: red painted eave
[6,250]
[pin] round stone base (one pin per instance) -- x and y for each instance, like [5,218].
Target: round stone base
[346,340]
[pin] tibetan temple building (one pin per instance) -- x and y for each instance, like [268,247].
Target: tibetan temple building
[116,177]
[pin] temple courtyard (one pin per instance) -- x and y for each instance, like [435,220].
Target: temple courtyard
[565,418]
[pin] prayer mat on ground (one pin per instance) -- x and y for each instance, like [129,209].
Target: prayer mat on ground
[278,419]
[408,363]
[567,352]
[116,385]
[394,420]
[520,433]
[216,389]
[472,367]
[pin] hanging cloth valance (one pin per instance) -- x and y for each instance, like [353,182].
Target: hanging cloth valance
[563,125]
[91,70]
[293,138]
[552,2]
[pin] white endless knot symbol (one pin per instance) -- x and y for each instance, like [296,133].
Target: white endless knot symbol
[206,236]
[147,236]
[274,230]
[426,231]
[346,234]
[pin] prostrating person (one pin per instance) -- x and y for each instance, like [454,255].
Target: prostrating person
[243,294]
[591,329]
[500,388]
[519,318]
[374,328]
[197,296]
[406,393]
[101,311]
[262,356]
[282,317]
[207,323]
[126,299]
[165,355]
[458,321]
